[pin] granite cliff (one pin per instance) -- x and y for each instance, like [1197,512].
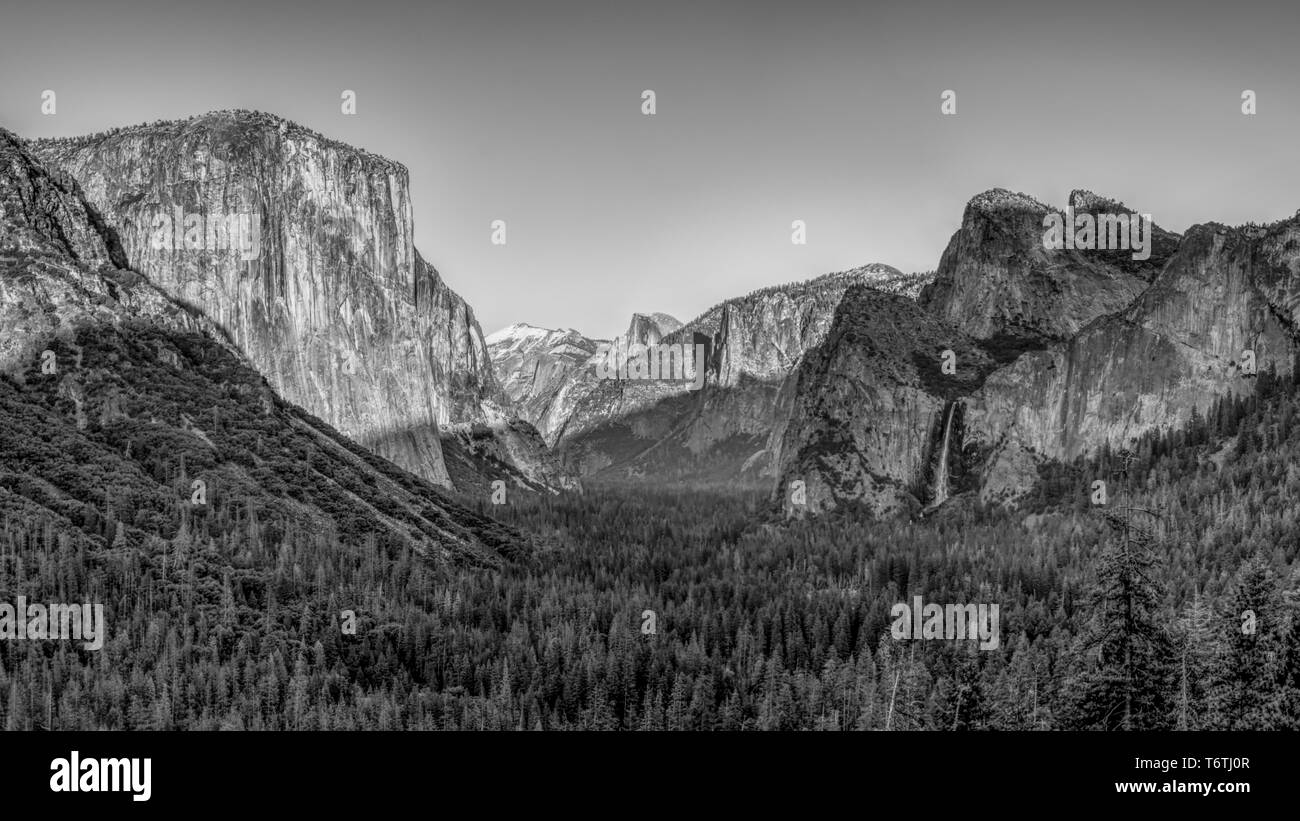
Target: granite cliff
[301,249]
[132,428]
[1067,351]
[996,281]
[632,430]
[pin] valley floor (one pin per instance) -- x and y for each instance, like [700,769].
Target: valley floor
[651,608]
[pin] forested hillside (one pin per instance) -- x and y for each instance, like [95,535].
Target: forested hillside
[1127,615]
[776,626]
[145,467]
[207,595]
[259,570]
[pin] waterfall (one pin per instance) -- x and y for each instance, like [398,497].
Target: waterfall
[941,474]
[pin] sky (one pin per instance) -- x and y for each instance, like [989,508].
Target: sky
[766,113]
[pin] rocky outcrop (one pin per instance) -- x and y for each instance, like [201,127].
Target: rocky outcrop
[301,248]
[1174,351]
[538,369]
[996,280]
[114,397]
[61,268]
[667,431]
[764,334]
[1089,348]
[869,408]
[649,329]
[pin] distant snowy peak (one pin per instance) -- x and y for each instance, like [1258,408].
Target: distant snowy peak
[520,333]
[523,339]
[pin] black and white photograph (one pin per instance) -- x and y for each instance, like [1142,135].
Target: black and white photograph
[399,378]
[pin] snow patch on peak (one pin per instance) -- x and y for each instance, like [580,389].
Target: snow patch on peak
[516,333]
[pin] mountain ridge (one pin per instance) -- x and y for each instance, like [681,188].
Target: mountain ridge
[115,397]
[1095,352]
[751,343]
[336,306]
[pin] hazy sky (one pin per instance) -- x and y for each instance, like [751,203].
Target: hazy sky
[768,112]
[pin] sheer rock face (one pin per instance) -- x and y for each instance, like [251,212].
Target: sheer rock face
[59,266]
[539,370]
[866,406]
[632,430]
[997,281]
[649,329]
[1174,347]
[763,335]
[1177,348]
[107,374]
[318,282]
